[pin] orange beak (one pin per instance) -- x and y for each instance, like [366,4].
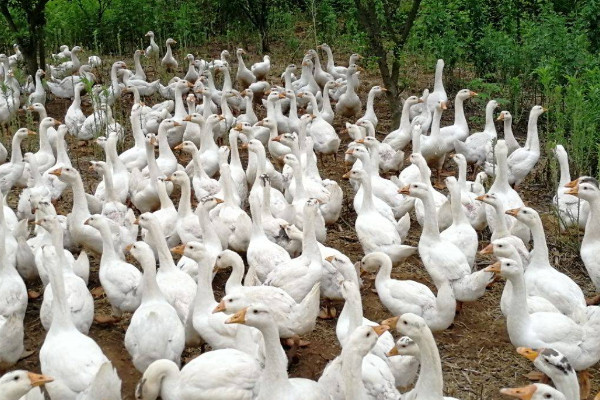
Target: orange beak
[220,307]
[178,249]
[38,380]
[381,329]
[187,118]
[391,322]
[277,138]
[523,393]
[489,249]
[346,175]
[495,267]
[512,212]
[238,318]
[528,353]
[56,172]
[572,184]
[574,191]
[480,198]
[128,247]
[405,190]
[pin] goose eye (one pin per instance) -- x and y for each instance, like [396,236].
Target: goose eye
[255,312]
[16,378]
[547,396]
[405,323]
[368,334]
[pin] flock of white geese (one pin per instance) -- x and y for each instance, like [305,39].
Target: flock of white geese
[275,210]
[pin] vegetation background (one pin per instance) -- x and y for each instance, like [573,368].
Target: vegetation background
[522,52]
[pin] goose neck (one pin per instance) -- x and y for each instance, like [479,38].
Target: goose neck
[352,373]
[430,223]
[185,203]
[275,372]
[150,288]
[16,156]
[533,141]
[435,123]
[438,84]
[458,214]
[489,121]
[165,259]
[565,175]
[235,151]
[517,317]
[539,254]
[108,247]
[430,383]
[310,245]
[235,278]
[385,271]
[459,112]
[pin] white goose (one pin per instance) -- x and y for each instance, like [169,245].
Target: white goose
[73,371]
[154,315]
[274,381]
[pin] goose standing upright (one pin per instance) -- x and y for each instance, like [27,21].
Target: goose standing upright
[70,357]
[168,61]
[155,315]
[152,51]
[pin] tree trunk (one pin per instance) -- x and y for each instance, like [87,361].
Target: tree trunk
[29,50]
[41,47]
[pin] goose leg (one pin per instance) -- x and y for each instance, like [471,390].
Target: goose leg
[585,385]
[593,301]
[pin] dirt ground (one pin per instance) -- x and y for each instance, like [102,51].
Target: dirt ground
[477,356]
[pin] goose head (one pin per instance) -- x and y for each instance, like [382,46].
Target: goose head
[364,338]
[369,141]
[373,261]
[17,384]
[405,346]
[268,123]
[254,145]
[489,198]
[187,146]
[500,247]
[214,119]
[139,52]
[451,182]
[178,177]
[586,190]
[240,51]
[119,65]
[170,41]
[66,174]
[359,175]
[49,122]
[459,159]
[22,133]
[167,124]
[98,166]
[291,160]
[227,259]
[355,57]
[378,89]
[536,391]
[76,49]
[142,252]
[413,100]
[194,250]
[96,221]
[146,219]
[465,94]
[547,360]
[306,119]
[149,34]
[210,202]
[408,324]
[287,139]
[506,267]
[49,223]
[526,215]
[442,105]
[536,111]
[416,189]
[504,116]
[256,315]
[196,118]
